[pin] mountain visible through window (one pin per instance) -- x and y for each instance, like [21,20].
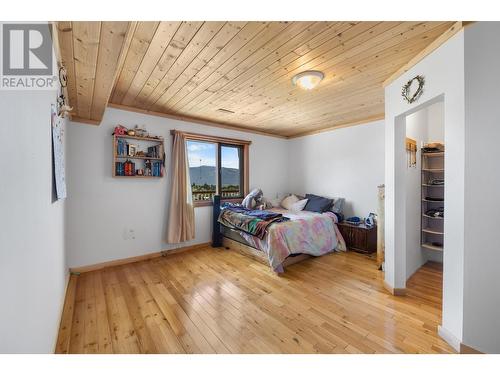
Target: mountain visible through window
[231,172]
[215,168]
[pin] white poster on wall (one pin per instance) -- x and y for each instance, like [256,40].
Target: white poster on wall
[58,153]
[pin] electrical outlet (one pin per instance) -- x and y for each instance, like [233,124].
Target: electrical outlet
[128,234]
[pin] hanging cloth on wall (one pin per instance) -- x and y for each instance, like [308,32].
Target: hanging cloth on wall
[411,153]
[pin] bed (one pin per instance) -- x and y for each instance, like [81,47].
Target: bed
[288,238]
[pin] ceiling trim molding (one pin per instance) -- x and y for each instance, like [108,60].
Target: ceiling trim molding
[225,126]
[193,120]
[340,126]
[85,121]
[457,26]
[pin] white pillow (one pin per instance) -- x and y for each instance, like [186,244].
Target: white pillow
[299,206]
[287,202]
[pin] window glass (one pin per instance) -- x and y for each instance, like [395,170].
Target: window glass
[231,186]
[202,158]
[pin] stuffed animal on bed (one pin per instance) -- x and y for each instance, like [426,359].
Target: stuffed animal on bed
[256,200]
[252,199]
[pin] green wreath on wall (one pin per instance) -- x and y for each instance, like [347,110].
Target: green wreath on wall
[408,95]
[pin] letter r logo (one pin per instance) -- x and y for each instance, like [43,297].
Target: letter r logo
[27,49]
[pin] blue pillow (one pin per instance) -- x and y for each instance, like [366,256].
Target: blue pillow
[316,203]
[338,205]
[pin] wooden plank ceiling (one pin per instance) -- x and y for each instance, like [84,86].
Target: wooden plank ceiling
[239,73]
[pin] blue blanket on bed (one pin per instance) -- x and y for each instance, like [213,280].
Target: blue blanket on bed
[259,214]
[254,222]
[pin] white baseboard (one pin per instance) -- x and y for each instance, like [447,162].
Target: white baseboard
[61,308]
[450,338]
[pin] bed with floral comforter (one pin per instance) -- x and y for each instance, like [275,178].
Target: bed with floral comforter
[304,233]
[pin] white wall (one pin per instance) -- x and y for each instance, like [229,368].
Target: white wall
[347,162]
[416,128]
[33,271]
[435,122]
[102,209]
[482,187]
[443,70]
[32,258]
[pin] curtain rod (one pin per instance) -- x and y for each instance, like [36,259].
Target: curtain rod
[203,137]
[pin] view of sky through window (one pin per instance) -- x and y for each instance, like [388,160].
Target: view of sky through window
[204,153]
[201,153]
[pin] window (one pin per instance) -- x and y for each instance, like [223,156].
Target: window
[202,158]
[231,158]
[216,166]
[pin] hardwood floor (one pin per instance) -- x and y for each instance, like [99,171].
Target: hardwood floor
[218,301]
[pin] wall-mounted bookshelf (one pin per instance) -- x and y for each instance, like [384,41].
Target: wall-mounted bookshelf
[432,223]
[138,157]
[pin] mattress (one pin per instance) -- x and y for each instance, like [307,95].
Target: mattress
[235,235]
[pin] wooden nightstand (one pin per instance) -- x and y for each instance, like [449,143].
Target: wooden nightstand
[359,238]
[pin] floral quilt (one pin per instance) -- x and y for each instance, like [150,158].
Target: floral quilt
[305,233]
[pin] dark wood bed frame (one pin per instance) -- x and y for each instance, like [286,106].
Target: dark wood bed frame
[219,240]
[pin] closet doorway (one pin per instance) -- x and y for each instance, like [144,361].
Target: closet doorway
[425,203]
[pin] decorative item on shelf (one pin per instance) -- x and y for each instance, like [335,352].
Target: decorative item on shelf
[411,153]
[120,130]
[140,172]
[140,132]
[131,132]
[147,168]
[411,92]
[141,154]
[132,149]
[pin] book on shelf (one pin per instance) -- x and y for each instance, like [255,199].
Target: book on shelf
[126,168]
[155,152]
[119,171]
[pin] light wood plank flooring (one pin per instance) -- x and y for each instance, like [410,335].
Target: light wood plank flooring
[218,301]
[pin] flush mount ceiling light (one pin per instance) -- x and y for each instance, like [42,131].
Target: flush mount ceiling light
[308,80]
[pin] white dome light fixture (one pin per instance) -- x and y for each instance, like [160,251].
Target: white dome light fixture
[308,80]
